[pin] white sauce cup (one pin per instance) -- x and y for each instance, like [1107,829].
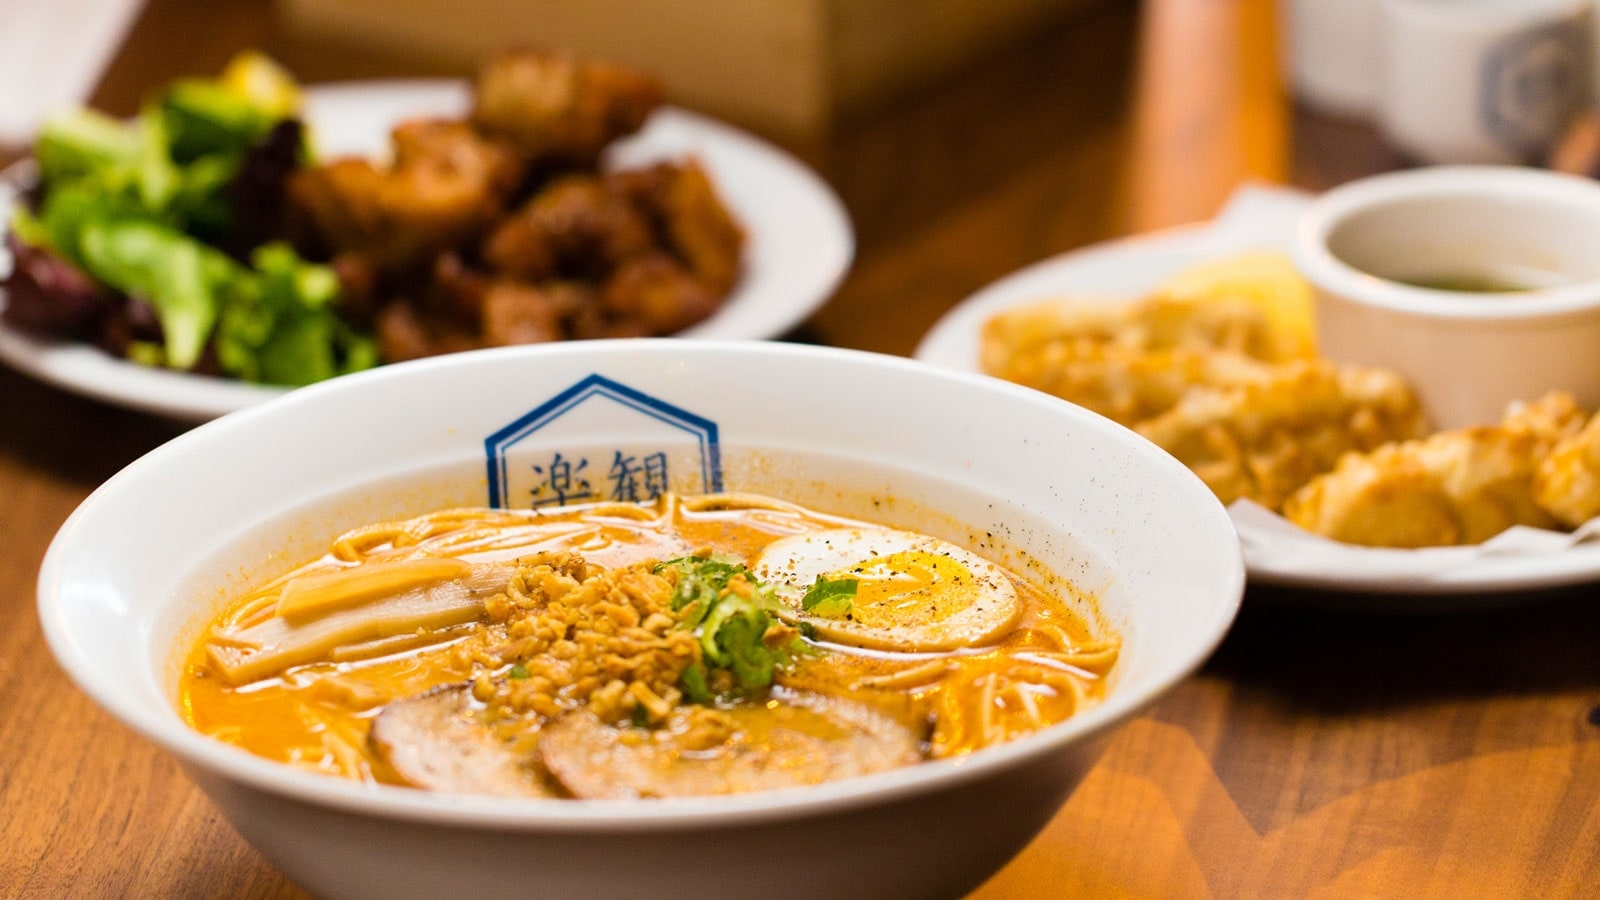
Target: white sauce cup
[1366,245]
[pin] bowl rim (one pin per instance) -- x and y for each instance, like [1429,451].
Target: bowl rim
[195,751]
[1340,279]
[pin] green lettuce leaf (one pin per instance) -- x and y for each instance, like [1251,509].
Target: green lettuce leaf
[135,205]
[280,326]
[204,116]
[180,277]
[83,141]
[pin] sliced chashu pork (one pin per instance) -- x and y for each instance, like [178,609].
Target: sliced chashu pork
[436,741]
[794,739]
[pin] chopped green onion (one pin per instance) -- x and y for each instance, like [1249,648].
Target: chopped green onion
[830,599]
[731,624]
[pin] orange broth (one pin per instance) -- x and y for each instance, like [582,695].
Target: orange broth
[1046,668]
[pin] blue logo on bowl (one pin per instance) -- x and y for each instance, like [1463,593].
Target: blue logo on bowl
[601,440]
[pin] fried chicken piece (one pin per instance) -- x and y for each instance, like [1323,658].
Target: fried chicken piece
[1567,483]
[587,226]
[1265,436]
[1158,322]
[1551,419]
[1455,487]
[1214,380]
[1386,498]
[358,288]
[396,219]
[655,295]
[1129,385]
[444,188]
[518,313]
[1128,362]
[476,308]
[458,147]
[576,226]
[555,109]
[693,222]
[464,310]
[457,290]
[405,333]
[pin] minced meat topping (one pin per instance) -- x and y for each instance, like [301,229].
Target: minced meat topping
[576,635]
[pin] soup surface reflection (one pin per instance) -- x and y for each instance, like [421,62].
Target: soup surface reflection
[696,645]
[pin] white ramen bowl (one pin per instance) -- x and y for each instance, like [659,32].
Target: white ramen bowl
[133,576]
[1468,354]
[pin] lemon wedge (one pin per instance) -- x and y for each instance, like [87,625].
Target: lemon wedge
[1267,281]
[254,76]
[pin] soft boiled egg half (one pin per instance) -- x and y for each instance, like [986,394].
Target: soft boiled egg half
[912,592]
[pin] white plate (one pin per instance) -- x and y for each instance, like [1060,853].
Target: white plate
[800,241]
[1257,218]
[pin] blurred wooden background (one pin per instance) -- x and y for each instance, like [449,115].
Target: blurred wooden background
[1320,754]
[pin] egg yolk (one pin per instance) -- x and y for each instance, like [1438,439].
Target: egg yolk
[909,586]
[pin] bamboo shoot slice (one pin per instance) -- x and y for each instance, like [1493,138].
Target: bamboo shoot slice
[266,649]
[310,596]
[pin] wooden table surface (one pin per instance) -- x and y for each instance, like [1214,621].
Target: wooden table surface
[1319,754]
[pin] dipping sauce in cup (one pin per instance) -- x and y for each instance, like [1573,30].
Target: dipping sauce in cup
[1479,284]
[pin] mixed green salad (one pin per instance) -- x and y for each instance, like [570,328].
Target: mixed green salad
[161,238]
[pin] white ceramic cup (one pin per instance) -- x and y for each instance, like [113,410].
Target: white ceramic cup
[1331,54]
[1482,81]
[1468,354]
